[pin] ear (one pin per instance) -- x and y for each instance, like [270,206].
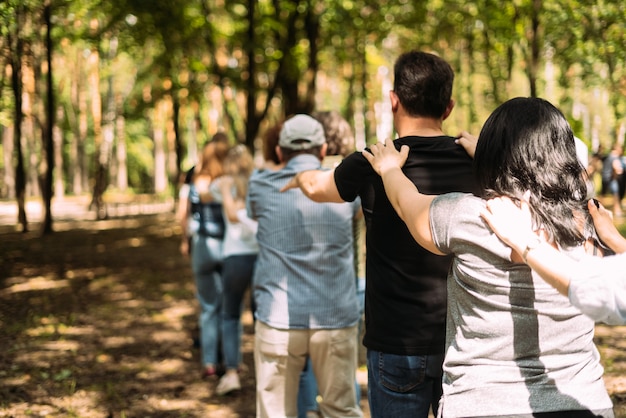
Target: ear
[279,153]
[395,102]
[448,109]
[323,151]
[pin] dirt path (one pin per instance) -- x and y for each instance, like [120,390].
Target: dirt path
[98,319]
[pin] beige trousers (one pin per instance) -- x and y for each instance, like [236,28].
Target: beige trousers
[279,357]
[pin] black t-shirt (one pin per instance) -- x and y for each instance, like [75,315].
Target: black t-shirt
[405,294]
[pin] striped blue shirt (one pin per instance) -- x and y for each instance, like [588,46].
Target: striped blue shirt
[304,278]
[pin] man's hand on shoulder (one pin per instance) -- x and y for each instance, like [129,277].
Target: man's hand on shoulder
[293,183]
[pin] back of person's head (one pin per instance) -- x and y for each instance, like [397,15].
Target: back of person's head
[301,134]
[239,164]
[270,142]
[338,132]
[527,144]
[423,83]
[213,154]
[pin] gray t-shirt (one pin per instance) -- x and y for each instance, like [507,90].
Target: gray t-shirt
[514,345]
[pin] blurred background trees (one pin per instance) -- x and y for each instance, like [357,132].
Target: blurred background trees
[121,93]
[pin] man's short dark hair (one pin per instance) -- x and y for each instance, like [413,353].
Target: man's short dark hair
[423,83]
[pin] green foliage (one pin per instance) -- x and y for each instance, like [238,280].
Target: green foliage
[240,70]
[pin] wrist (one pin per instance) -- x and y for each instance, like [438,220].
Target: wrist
[532,243]
[385,170]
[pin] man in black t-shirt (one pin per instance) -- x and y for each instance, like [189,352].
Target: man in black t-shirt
[405,294]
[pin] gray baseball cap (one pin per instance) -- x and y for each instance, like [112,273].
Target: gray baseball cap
[301,132]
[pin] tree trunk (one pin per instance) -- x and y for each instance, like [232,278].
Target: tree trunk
[178,145]
[158,135]
[251,111]
[101,159]
[312,25]
[120,149]
[8,191]
[16,84]
[49,142]
[108,130]
[57,137]
[535,48]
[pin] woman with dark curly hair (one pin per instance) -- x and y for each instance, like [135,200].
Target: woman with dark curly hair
[514,345]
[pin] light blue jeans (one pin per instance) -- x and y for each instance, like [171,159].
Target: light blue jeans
[236,278]
[403,386]
[206,259]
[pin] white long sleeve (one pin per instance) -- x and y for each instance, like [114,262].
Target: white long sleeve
[598,288]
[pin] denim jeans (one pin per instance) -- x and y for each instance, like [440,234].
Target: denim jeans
[403,386]
[236,278]
[206,258]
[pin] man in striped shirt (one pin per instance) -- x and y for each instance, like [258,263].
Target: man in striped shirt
[304,286]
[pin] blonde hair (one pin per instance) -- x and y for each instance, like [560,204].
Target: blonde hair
[239,164]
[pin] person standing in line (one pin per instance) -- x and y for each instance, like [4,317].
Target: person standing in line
[304,286]
[405,291]
[612,174]
[515,347]
[202,239]
[340,143]
[240,250]
[594,284]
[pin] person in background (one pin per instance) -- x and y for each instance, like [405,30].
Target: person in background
[612,176]
[514,345]
[182,210]
[340,143]
[203,231]
[304,287]
[239,250]
[405,291]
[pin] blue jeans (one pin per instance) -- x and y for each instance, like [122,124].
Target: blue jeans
[206,259]
[236,278]
[307,391]
[403,386]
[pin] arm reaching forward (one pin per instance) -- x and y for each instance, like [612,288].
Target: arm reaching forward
[317,185]
[412,206]
[603,221]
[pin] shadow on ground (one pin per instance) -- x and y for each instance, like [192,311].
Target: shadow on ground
[98,319]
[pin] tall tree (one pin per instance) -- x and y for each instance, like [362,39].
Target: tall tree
[48,131]
[13,14]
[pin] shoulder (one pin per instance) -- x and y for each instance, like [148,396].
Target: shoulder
[454,212]
[466,204]
[353,167]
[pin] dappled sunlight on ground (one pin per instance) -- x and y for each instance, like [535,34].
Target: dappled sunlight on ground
[99,319]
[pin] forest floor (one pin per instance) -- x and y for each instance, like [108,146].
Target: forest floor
[98,319]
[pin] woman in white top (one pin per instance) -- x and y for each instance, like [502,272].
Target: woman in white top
[240,249]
